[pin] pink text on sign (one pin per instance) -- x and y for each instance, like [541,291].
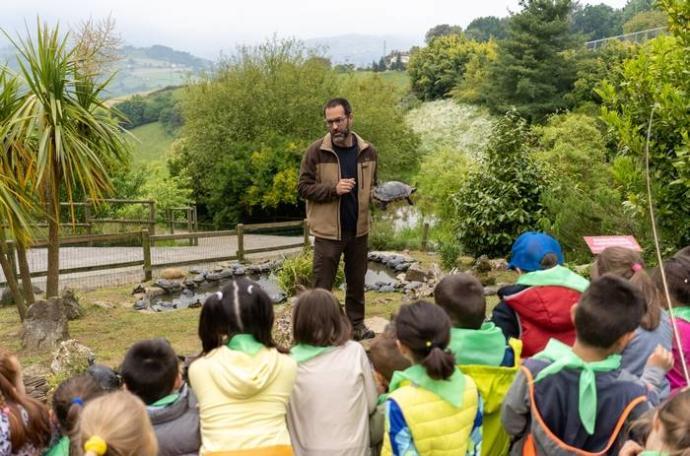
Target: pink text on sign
[598,243]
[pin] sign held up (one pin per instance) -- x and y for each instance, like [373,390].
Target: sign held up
[597,244]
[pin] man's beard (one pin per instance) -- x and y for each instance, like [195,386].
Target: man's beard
[341,135]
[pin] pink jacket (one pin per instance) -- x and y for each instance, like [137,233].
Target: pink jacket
[675,375]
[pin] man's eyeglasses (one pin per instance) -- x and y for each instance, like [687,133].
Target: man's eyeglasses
[337,121]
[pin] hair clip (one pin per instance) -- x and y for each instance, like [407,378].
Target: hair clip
[77,400]
[636,267]
[96,445]
[428,344]
[249,289]
[220,295]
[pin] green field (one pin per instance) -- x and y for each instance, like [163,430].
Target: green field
[399,78]
[152,144]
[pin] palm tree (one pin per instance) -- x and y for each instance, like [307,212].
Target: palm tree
[15,194]
[74,132]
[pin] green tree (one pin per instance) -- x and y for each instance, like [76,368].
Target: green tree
[657,80]
[487,27]
[78,132]
[531,72]
[441,30]
[501,197]
[646,20]
[633,7]
[437,68]
[597,21]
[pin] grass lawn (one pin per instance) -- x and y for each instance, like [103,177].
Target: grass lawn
[152,144]
[110,325]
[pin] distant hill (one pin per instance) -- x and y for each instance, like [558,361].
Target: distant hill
[361,50]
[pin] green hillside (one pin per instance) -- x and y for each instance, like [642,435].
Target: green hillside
[152,144]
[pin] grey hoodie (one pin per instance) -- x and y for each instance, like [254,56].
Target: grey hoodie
[177,425]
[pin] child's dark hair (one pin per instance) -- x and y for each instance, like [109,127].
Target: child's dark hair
[677,271]
[610,308]
[318,319]
[384,354]
[241,307]
[150,369]
[107,378]
[684,252]
[68,402]
[462,297]
[549,261]
[424,328]
[628,264]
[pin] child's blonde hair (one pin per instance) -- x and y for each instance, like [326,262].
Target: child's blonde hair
[116,424]
[674,417]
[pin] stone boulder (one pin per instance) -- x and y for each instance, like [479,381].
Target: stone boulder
[73,308]
[417,273]
[71,358]
[173,274]
[170,286]
[45,325]
[6,298]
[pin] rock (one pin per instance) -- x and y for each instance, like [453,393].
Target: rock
[413,285]
[6,298]
[199,278]
[482,265]
[189,284]
[239,271]
[213,277]
[225,274]
[173,274]
[71,358]
[387,289]
[417,273]
[499,264]
[107,378]
[491,290]
[187,293]
[154,292]
[196,271]
[402,267]
[401,278]
[282,326]
[170,286]
[139,289]
[376,324]
[45,325]
[195,305]
[103,305]
[487,279]
[141,304]
[73,308]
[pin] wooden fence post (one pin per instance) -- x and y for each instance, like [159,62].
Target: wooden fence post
[196,224]
[240,241]
[190,225]
[307,243]
[146,245]
[12,257]
[425,236]
[152,218]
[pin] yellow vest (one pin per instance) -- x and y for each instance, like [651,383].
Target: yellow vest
[493,383]
[437,428]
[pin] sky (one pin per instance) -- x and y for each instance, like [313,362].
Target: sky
[206,27]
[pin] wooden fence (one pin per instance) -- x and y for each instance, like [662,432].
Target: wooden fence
[147,241]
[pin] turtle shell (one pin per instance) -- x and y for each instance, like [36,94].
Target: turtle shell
[392,191]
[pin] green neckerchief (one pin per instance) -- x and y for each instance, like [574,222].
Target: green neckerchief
[61,448]
[245,343]
[304,352]
[557,276]
[653,453]
[564,358]
[382,398]
[449,390]
[167,400]
[682,312]
[485,346]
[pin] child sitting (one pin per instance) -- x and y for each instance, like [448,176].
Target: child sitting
[677,271]
[576,400]
[151,371]
[655,327]
[68,402]
[480,351]
[334,392]
[24,422]
[537,307]
[386,359]
[668,432]
[432,408]
[116,424]
[241,380]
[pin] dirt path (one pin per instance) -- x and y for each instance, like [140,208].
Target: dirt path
[74,257]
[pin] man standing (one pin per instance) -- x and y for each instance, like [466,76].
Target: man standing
[336,179]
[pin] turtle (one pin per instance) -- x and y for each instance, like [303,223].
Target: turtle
[392,191]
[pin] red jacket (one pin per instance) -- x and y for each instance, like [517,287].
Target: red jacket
[543,313]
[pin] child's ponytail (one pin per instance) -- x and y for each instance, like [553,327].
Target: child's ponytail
[439,364]
[424,328]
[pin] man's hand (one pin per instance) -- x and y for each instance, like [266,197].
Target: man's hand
[344,186]
[661,358]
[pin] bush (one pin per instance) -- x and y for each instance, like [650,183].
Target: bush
[298,272]
[501,198]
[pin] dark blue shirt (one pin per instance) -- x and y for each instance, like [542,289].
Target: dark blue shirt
[349,206]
